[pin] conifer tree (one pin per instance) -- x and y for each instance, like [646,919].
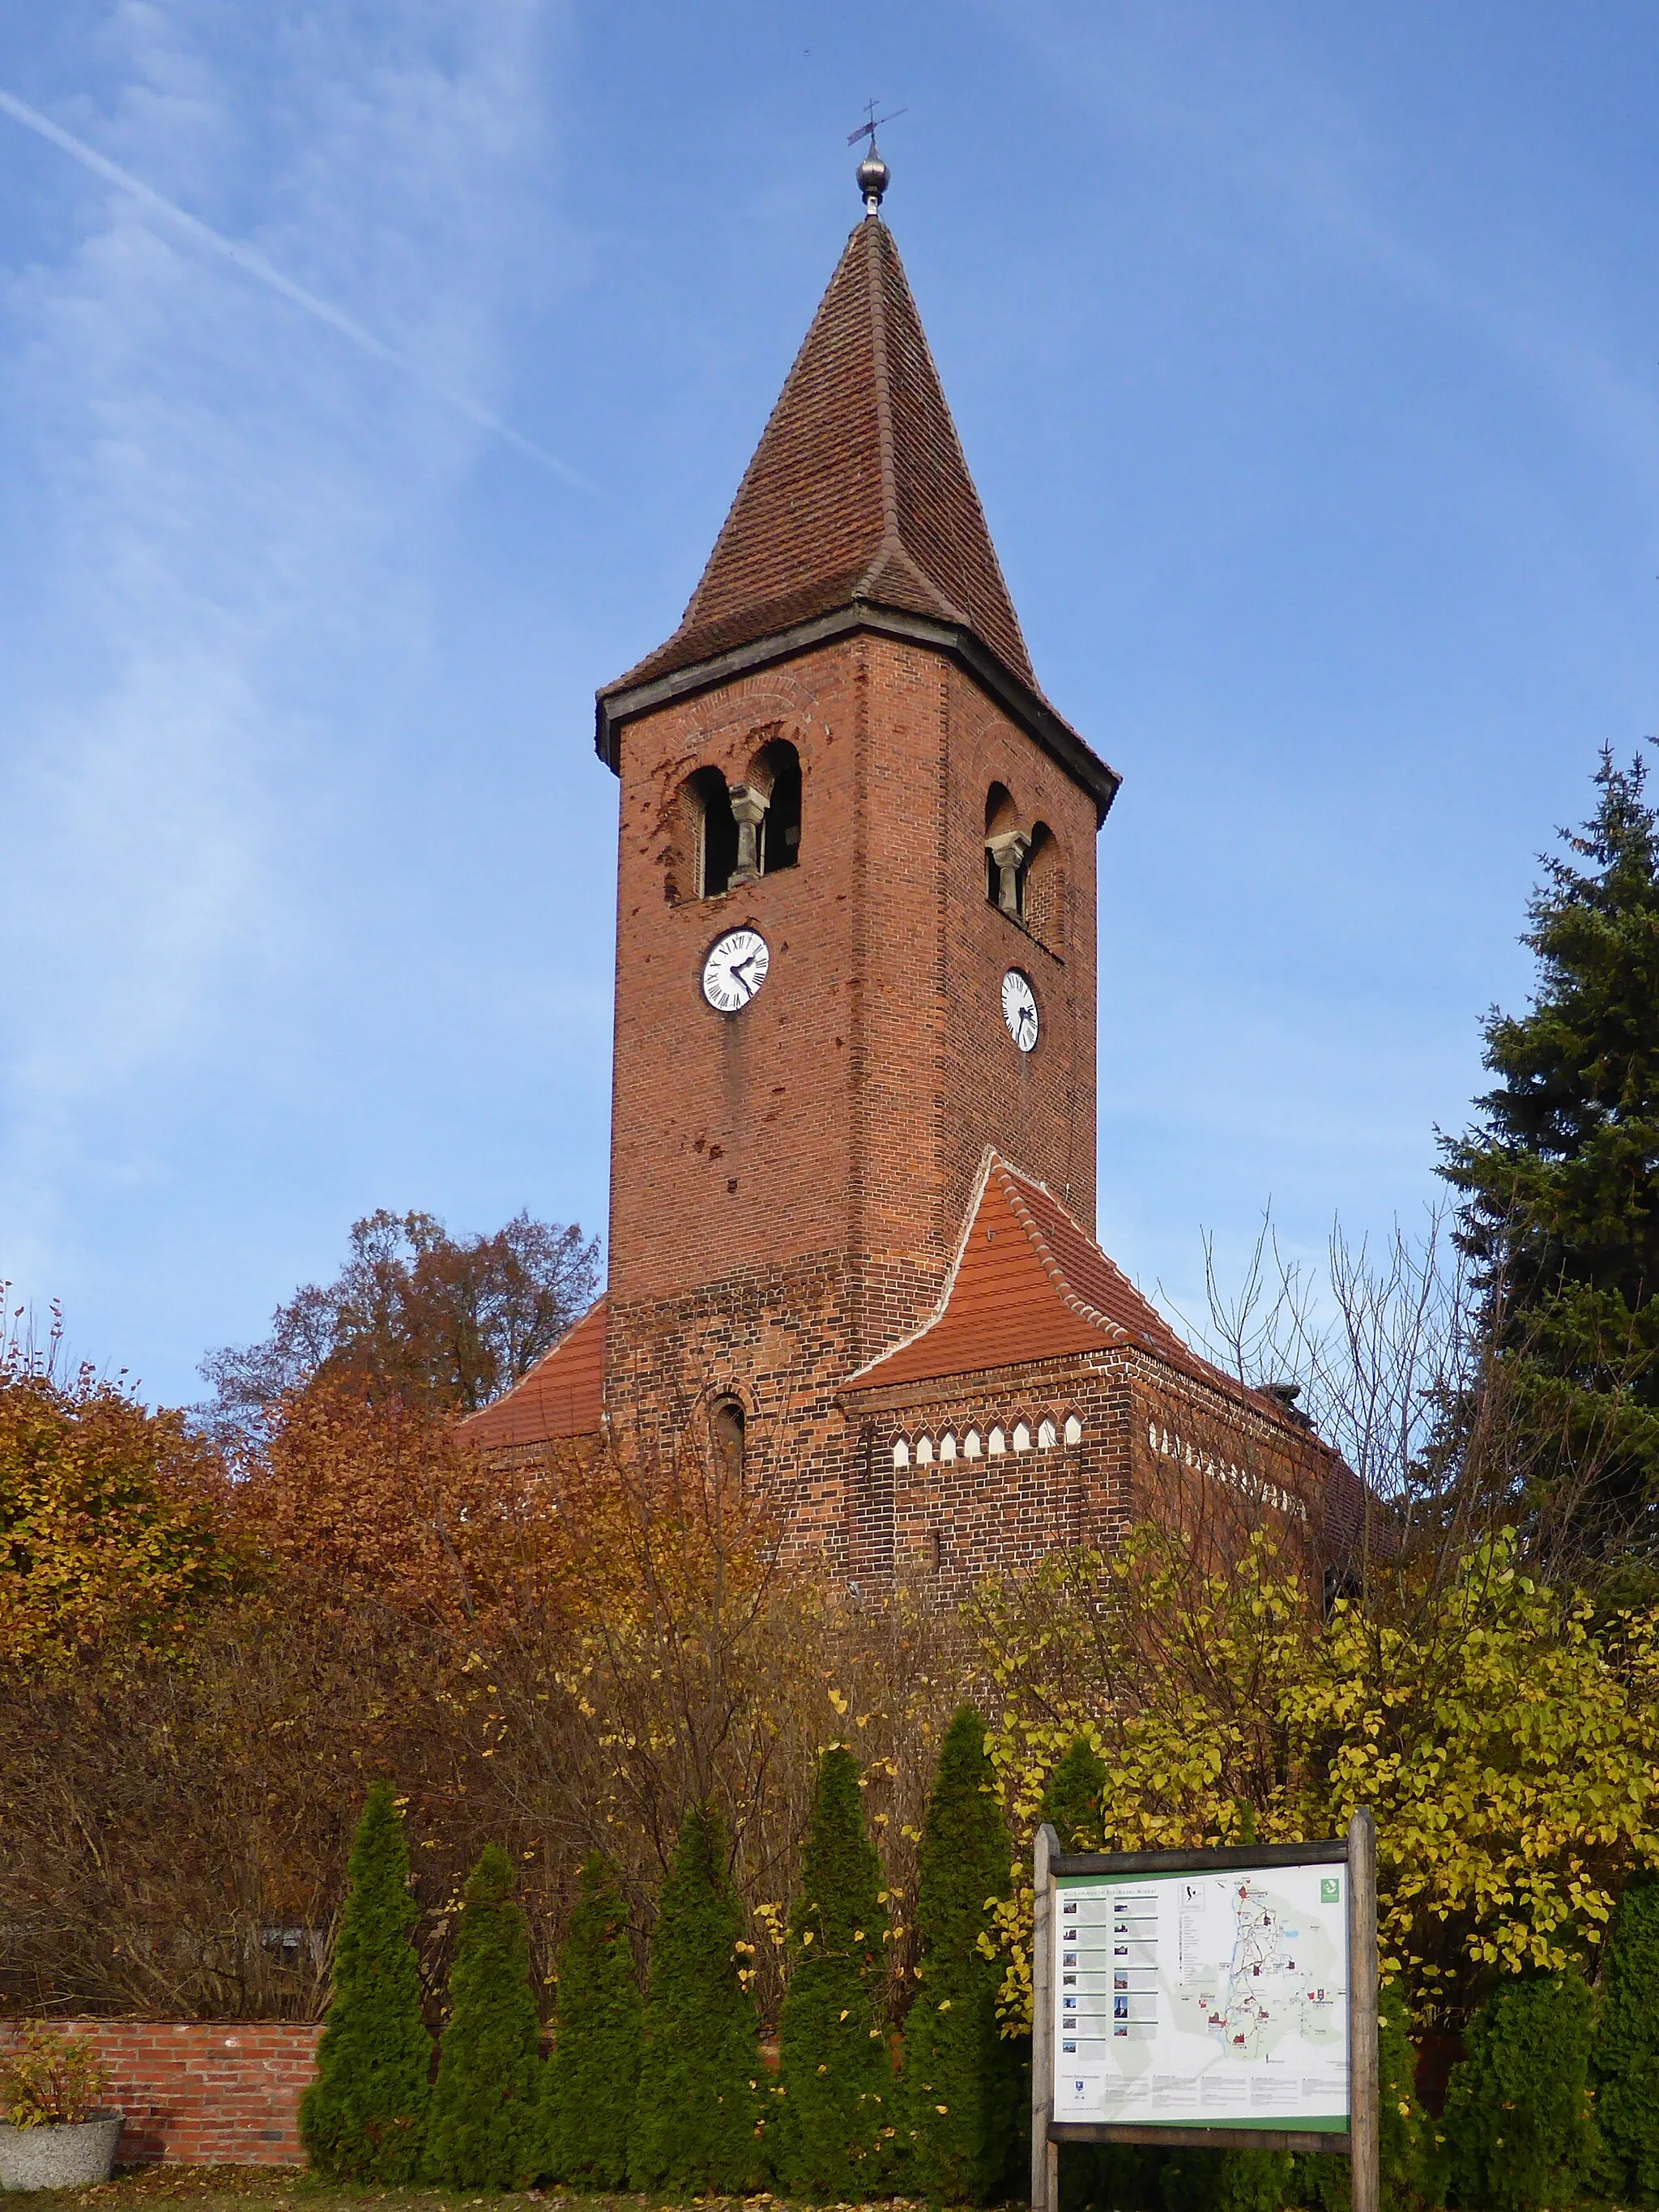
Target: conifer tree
[485,2130]
[697,2118]
[594,2074]
[959,2076]
[836,2121]
[1516,2122]
[1560,1179]
[364,2117]
[1624,2057]
[1071,1797]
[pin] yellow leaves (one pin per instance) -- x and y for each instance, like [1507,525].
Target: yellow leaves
[1509,1751]
[843,1704]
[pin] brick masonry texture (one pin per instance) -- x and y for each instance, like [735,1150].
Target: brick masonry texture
[204,2092]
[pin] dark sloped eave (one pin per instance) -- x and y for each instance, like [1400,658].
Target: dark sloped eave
[621,703]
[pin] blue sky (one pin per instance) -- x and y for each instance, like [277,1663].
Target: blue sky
[1306,357]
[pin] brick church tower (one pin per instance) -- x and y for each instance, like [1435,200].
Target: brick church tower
[852,1130]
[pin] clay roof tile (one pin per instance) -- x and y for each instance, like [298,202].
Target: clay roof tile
[561,1395]
[857,491]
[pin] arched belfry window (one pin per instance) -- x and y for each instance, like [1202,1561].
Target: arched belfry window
[1007,850]
[776,772]
[727,1426]
[712,832]
[1043,890]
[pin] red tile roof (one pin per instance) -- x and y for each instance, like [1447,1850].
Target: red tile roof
[562,1395]
[1030,1283]
[857,490]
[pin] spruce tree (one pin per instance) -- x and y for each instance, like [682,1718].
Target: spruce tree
[697,2117]
[1071,1797]
[836,2122]
[1560,1178]
[485,2130]
[1624,2056]
[1517,2123]
[594,2074]
[364,2117]
[959,2076]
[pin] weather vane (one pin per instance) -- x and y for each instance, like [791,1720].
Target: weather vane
[873,174]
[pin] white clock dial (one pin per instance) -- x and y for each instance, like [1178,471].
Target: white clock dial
[735,970]
[1019,1009]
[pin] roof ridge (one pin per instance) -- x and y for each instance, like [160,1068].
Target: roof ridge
[987,1161]
[890,513]
[1051,1260]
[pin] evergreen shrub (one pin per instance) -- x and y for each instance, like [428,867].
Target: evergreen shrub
[1625,2055]
[834,2124]
[593,2074]
[364,2117]
[1072,1795]
[1516,2129]
[1403,2132]
[959,2077]
[697,2118]
[485,2130]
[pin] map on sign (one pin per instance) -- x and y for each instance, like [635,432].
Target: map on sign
[1212,1999]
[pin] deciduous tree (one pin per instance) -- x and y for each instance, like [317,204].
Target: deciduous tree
[414,1314]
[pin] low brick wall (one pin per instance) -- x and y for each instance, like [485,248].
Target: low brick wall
[204,2092]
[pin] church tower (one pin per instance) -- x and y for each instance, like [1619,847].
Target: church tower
[840,766]
[853,1126]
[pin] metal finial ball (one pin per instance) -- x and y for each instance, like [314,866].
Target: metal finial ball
[874,176]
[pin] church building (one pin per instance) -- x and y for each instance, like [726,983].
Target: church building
[852,1145]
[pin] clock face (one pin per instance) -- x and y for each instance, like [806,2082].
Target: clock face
[1019,1008]
[735,970]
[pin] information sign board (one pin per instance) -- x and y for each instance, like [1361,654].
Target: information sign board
[1218,1996]
[1203,1998]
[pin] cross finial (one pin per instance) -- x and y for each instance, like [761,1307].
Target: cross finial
[873,174]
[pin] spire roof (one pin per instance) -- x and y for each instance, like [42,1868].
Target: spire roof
[858,492]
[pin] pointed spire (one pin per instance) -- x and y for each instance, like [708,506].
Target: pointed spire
[858,492]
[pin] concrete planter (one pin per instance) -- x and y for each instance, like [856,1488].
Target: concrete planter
[53,2157]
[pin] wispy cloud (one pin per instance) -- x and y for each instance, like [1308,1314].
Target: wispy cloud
[236,521]
[255,265]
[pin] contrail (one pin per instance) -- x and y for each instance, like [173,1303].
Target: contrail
[256,266]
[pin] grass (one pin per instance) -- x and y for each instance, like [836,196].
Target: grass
[291,2189]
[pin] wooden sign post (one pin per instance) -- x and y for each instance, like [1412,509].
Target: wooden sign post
[1224,1998]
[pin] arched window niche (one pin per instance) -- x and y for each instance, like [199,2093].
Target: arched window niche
[727,1426]
[706,845]
[1006,848]
[774,776]
[1043,890]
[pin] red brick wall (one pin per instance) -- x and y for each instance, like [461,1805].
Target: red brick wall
[789,1184]
[205,2092]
